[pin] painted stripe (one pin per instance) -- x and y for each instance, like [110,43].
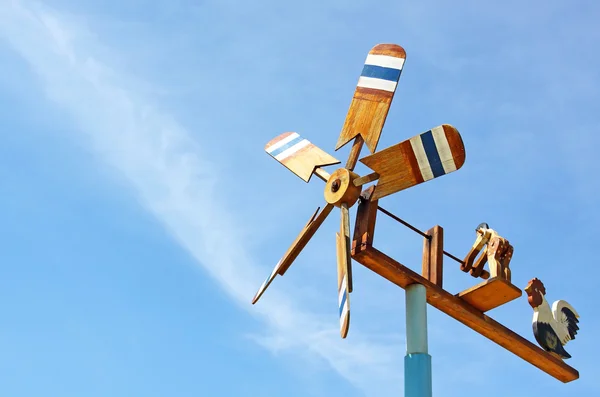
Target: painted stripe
[344,307]
[342,304]
[341,290]
[286,146]
[443,147]
[291,150]
[282,142]
[419,150]
[342,293]
[385,61]
[378,84]
[432,154]
[379,72]
[268,281]
[344,317]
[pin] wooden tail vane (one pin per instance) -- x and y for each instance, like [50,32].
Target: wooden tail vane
[429,155]
[424,157]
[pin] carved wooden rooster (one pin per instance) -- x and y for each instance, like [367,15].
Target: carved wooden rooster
[552,328]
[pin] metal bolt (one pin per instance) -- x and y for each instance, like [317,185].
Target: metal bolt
[335,185]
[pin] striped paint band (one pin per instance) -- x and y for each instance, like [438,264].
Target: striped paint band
[282,142]
[287,146]
[385,61]
[268,280]
[433,153]
[381,72]
[342,298]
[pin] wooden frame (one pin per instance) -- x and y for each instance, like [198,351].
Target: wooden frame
[364,253]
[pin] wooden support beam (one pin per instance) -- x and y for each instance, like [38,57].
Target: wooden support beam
[366,215]
[433,255]
[490,294]
[460,310]
[322,174]
[363,180]
[354,153]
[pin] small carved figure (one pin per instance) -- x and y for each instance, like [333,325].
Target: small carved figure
[552,328]
[497,252]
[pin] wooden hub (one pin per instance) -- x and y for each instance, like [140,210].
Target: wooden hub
[340,188]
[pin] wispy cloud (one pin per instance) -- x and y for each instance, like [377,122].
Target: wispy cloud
[174,178]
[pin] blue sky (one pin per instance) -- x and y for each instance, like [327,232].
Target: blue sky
[141,213]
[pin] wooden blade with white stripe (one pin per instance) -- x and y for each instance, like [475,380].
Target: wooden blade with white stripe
[298,154]
[343,294]
[423,157]
[345,233]
[343,266]
[373,95]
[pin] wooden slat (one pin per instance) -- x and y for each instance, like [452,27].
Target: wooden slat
[343,291]
[303,238]
[322,174]
[354,153]
[366,215]
[373,95]
[345,236]
[298,154]
[460,310]
[433,255]
[490,294]
[373,176]
[426,156]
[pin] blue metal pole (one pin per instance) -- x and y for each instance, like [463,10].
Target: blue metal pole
[417,362]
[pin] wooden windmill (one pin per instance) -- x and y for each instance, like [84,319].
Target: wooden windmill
[426,156]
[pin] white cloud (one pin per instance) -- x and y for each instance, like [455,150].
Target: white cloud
[172,177]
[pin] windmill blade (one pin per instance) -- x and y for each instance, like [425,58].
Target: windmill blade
[266,283]
[303,238]
[373,95]
[345,235]
[294,250]
[343,291]
[344,270]
[423,157]
[298,154]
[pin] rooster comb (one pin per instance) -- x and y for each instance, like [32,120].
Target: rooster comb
[535,283]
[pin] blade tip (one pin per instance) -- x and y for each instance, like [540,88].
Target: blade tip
[456,144]
[389,49]
[345,327]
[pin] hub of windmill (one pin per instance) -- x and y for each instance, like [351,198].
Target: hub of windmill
[340,188]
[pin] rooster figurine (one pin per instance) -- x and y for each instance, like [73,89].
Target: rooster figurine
[552,328]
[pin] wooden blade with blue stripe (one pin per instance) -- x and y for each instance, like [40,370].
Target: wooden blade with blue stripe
[343,287]
[429,155]
[373,95]
[298,154]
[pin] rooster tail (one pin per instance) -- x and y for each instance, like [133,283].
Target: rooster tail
[566,315]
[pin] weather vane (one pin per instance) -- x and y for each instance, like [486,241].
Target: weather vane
[426,156]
